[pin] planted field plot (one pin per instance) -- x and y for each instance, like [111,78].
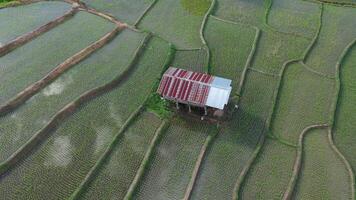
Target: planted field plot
[237,140]
[291,16]
[230,45]
[59,165]
[173,161]
[344,128]
[177,21]
[194,60]
[128,11]
[276,48]
[28,18]
[19,126]
[337,31]
[269,175]
[125,160]
[247,11]
[304,99]
[323,174]
[31,62]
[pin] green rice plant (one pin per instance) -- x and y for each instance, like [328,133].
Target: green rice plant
[194,60]
[17,21]
[38,111]
[62,161]
[305,98]
[268,177]
[173,162]
[127,11]
[31,62]
[337,30]
[323,174]
[300,17]
[125,160]
[247,11]
[230,45]
[276,48]
[178,21]
[344,127]
[237,139]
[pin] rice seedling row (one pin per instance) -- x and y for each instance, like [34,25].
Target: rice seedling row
[237,140]
[28,18]
[171,167]
[128,11]
[177,21]
[108,62]
[34,60]
[292,16]
[59,165]
[323,174]
[230,45]
[195,60]
[268,177]
[344,127]
[304,99]
[125,160]
[338,29]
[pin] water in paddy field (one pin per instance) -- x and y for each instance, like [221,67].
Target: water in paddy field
[196,7]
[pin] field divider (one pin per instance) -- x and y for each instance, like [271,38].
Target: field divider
[105,16]
[68,110]
[146,160]
[144,13]
[208,142]
[334,3]
[34,88]
[263,72]
[27,37]
[298,161]
[316,72]
[249,60]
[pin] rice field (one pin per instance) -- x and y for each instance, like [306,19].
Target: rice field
[28,18]
[17,127]
[31,62]
[323,174]
[283,57]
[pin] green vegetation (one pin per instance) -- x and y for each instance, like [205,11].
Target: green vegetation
[31,62]
[344,128]
[170,20]
[38,111]
[173,162]
[196,7]
[304,99]
[237,140]
[195,60]
[269,175]
[27,17]
[125,160]
[323,175]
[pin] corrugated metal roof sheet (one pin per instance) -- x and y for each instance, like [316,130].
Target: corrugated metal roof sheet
[195,88]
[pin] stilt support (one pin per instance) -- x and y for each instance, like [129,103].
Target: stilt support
[205,111]
[190,108]
[177,105]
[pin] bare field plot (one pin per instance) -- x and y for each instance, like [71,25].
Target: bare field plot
[28,18]
[247,11]
[323,174]
[171,167]
[195,60]
[127,11]
[31,62]
[59,165]
[268,177]
[344,128]
[305,99]
[236,141]
[177,21]
[230,45]
[276,48]
[295,16]
[337,31]
[117,174]
[17,127]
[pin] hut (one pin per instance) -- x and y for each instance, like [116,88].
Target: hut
[195,89]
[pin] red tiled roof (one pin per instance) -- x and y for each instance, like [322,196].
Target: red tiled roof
[185,86]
